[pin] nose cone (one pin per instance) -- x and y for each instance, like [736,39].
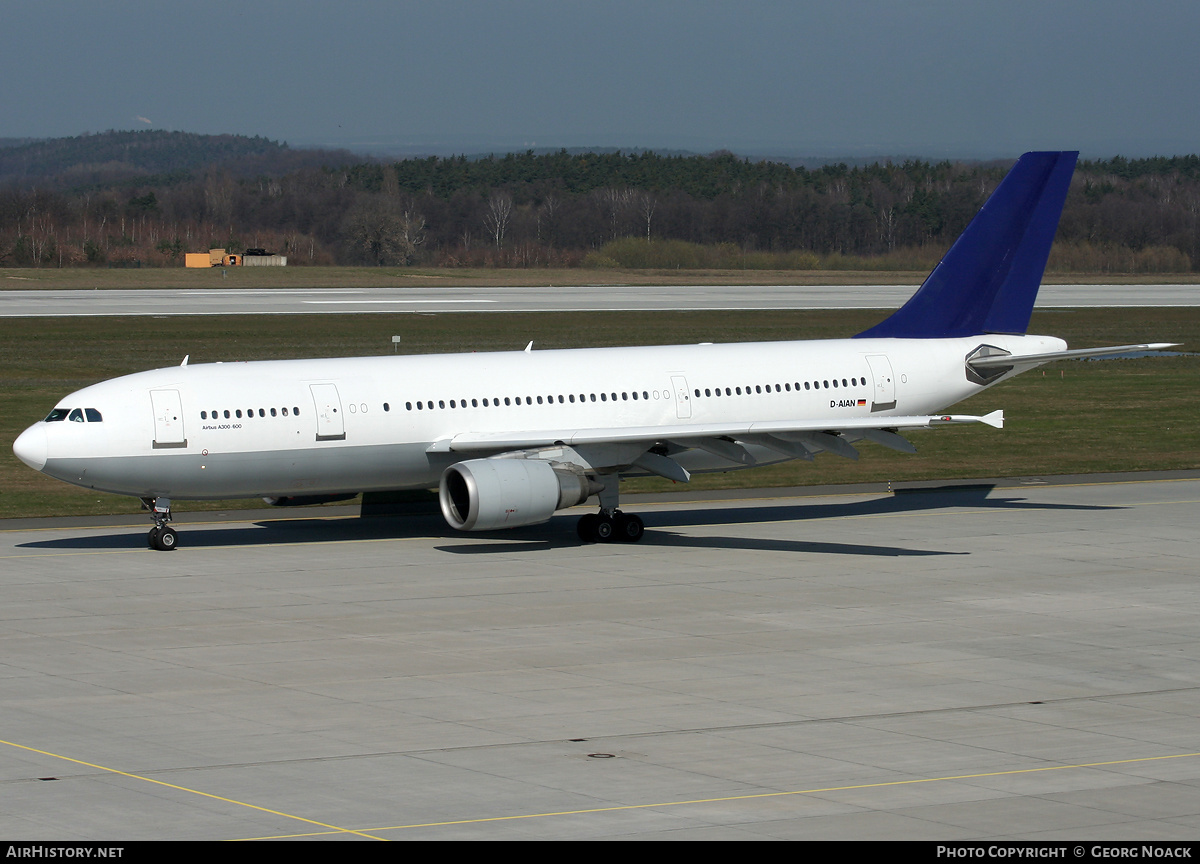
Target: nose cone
[30,447]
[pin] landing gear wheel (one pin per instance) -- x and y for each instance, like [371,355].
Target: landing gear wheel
[617,528]
[161,536]
[629,528]
[166,539]
[586,527]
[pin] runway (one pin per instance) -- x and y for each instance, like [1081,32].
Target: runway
[616,297]
[1017,662]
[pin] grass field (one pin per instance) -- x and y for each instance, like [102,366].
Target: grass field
[1072,417]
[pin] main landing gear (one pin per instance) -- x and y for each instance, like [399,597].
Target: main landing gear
[610,527]
[161,537]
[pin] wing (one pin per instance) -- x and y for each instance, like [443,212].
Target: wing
[650,448]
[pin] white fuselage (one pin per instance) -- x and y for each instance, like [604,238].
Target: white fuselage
[307,427]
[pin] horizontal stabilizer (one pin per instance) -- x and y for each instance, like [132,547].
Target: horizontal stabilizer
[1028,361]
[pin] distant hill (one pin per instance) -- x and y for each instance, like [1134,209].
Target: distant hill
[115,157]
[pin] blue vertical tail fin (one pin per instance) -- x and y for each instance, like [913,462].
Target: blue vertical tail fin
[989,279]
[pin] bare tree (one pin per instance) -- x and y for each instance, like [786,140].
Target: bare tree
[412,235]
[495,220]
[616,202]
[374,233]
[646,204]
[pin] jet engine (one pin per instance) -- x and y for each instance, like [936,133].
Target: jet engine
[484,494]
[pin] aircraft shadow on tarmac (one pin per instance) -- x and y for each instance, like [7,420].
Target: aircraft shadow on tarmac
[659,533]
[559,532]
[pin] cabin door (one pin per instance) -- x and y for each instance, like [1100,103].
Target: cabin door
[683,404]
[330,426]
[885,383]
[168,419]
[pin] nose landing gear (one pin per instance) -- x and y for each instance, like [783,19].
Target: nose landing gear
[161,537]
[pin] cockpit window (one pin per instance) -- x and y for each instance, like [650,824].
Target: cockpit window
[57,414]
[93,416]
[76,416]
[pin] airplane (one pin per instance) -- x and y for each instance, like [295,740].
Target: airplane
[509,438]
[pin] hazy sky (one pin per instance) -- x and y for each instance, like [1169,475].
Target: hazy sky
[851,77]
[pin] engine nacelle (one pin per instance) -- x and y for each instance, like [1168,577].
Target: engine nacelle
[485,494]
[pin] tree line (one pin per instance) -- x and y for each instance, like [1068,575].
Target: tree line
[569,209]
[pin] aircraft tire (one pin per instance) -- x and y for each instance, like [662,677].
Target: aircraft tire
[152,538]
[586,528]
[630,528]
[167,539]
[605,529]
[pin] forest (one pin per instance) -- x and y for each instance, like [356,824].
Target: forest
[145,198]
